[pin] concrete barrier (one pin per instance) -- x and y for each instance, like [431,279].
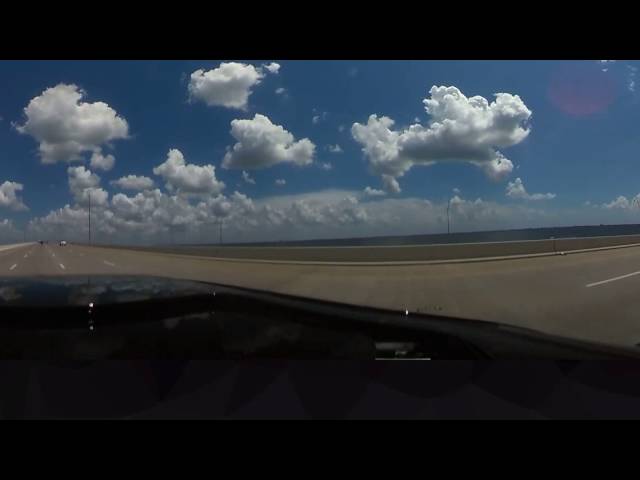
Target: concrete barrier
[404,253]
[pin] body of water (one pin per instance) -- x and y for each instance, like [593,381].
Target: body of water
[465,237]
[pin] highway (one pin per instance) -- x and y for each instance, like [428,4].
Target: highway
[587,295]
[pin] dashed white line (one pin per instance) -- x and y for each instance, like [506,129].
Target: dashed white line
[589,285]
[13,266]
[61,266]
[26,255]
[109,263]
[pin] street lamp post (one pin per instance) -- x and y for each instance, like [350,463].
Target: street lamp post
[448,217]
[89,217]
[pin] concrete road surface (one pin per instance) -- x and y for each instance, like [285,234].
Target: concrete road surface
[592,296]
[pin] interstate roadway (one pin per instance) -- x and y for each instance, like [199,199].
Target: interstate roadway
[587,295]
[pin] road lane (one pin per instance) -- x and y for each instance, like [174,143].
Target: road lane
[33,260]
[14,246]
[6,250]
[13,256]
[614,279]
[79,261]
[544,293]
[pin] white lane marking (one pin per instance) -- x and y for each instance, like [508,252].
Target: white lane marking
[109,263]
[62,266]
[612,279]
[26,255]
[13,266]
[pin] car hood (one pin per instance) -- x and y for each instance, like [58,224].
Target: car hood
[75,291]
[143,316]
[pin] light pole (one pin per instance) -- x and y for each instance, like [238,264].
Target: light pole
[89,217]
[448,217]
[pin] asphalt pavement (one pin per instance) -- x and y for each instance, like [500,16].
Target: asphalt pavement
[588,295]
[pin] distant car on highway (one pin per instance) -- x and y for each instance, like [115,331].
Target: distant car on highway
[63,243]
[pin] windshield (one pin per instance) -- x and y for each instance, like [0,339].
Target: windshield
[488,191]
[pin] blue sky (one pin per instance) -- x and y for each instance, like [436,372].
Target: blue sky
[581,145]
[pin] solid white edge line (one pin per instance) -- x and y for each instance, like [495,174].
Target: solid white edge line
[612,279]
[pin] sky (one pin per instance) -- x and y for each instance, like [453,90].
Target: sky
[290,150]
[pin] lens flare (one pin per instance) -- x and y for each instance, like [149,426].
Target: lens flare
[581,89]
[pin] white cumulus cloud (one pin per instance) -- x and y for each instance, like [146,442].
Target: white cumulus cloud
[467,129]
[517,190]
[101,162]
[320,116]
[62,222]
[8,234]
[391,185]
[156,216]
[133,182]
[97,196]
[272,67]
[372,192]
[188,179]
[9,196]
[280,182]
[261,143]
[247,178]
[623,203]
[334,148]
[66,126]
[229,85]
[85,185]
[81,178]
